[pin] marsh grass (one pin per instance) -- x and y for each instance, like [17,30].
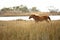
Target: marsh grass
[29,30]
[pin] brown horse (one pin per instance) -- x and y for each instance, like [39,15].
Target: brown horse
[40,18]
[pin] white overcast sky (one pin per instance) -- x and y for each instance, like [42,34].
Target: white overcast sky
[42,5]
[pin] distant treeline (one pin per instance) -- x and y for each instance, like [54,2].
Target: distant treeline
[20,8]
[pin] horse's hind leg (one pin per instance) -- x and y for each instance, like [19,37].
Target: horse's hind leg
[47,21]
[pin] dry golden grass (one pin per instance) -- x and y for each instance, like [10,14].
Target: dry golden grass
[25,14]
[29,30]
[12,13]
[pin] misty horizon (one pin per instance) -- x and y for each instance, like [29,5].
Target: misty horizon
[41,5]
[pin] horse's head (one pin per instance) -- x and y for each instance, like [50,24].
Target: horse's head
[31,16]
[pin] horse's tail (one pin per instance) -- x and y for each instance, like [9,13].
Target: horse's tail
[49,18]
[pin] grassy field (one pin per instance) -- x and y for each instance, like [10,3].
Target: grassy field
[29,30]
[27,14]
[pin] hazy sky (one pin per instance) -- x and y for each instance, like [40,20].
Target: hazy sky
[42,5]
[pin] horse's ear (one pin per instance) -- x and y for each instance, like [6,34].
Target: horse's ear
[32,15]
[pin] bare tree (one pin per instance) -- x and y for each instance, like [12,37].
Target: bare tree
[52,9]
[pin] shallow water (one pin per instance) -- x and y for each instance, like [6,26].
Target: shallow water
[26,18]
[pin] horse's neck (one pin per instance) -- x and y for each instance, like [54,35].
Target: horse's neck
[36,17]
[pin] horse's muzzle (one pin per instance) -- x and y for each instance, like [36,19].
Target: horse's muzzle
[29,17]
